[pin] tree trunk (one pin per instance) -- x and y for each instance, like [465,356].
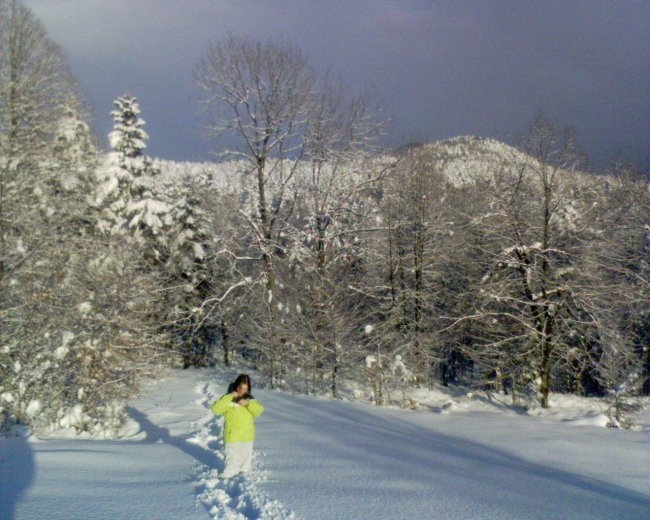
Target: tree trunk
[225,343]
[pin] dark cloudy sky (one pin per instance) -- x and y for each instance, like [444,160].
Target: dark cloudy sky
[447,68]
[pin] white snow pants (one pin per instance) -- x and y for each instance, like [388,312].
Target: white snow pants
[239,456]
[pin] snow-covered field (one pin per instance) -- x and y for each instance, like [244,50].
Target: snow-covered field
[456,457]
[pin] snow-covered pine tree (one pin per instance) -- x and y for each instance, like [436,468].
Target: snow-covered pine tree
[189,269]
[106,291]
[128,137]
[165,223]
[74,160]
[131,204]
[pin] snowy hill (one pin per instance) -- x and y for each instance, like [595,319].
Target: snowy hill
[466,159]
[320,459]
[462,159]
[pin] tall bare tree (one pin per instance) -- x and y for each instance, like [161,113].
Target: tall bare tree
[337,201]
[261,94]
[526,292]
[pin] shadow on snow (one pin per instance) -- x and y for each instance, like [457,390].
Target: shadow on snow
[16,473]
[400,450]
[156,433]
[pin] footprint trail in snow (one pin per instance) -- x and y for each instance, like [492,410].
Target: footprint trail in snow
[239,498]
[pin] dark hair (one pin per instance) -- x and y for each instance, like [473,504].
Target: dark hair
[241,378]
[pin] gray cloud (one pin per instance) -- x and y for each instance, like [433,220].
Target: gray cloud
[447,67]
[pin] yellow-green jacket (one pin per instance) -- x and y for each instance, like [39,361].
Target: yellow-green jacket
[240,420]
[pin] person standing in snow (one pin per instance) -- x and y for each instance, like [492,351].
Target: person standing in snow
[239,409]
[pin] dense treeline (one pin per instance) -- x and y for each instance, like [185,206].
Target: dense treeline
[522,276]
[307,250]
[75,303]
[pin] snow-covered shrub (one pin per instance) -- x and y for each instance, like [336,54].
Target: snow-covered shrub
[104,421]
[390,381]
[623,400]
[45,367]
[621,408]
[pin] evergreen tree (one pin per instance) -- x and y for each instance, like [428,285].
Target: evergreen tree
[166,224]
[188,268]
[132,205]
[128,138]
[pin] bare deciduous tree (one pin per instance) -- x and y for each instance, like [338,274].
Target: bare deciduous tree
[261,93]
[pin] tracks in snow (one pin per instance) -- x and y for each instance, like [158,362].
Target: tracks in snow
[239,498]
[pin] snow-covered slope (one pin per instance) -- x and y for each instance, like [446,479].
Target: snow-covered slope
[322,459]
[466,159]
[462,159]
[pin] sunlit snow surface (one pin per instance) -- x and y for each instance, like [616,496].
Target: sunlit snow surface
[454,458]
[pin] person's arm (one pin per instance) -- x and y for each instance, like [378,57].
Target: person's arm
[255,407]
[218,407]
